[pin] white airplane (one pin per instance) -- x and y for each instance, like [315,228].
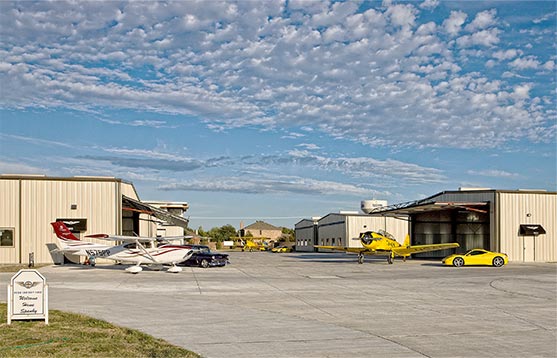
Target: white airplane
[132,250]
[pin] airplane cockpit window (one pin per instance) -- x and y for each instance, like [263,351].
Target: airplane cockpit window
[386,234]
[131,245]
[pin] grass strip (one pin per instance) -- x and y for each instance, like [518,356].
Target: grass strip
[69,335]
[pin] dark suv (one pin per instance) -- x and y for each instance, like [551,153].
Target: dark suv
[203,257]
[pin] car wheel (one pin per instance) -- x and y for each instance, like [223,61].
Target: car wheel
[204,263]
[498,261]
[458,261]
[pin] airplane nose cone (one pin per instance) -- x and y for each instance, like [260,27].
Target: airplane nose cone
[366,239]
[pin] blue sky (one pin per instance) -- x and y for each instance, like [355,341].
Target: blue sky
[281,110]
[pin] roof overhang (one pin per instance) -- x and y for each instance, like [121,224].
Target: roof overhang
[418,208]
[161,214]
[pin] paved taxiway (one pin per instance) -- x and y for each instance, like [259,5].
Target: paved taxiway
[324,305]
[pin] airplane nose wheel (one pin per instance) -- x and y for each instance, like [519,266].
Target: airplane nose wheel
[360,258]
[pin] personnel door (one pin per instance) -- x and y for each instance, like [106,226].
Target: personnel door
[528,249]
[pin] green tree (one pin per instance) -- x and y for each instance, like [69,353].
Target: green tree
[288,234]
[222,233]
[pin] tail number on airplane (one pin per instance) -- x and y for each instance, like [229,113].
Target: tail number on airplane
[98,253]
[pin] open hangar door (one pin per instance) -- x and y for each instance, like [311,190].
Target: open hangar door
[469,226]
[131,217]
[431,222]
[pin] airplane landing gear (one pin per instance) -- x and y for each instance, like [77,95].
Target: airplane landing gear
[360,258]
[390,259]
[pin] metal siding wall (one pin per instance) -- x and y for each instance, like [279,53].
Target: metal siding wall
[470,196]
[349,227]
[129,191]
[543,210]
[335,231]
[44,200]
[9,218]
[398,228]
[304,233]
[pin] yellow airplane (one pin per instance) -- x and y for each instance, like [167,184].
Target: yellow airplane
[250,246]
[384,244]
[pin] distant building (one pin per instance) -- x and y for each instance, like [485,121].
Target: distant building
[165,228]
[261,229]
[343,229]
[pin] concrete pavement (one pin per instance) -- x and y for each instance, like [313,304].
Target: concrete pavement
[323,305]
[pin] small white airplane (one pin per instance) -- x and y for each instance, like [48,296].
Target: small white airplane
[132,250]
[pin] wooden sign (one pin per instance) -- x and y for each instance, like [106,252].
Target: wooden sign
[27,296]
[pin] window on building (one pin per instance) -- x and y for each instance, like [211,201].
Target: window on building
[333,241]
[6,237]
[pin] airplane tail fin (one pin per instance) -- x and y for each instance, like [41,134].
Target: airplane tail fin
[406,241]
[65,236]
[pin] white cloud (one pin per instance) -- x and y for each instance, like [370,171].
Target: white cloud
[7,167]
[483,20]
[378,77]
[276,185]
[507,54]
[454,23]
[545,17]
[429,4]
[493,173]
[486,38]
[525,63]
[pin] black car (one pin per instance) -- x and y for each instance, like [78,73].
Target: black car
[203,257]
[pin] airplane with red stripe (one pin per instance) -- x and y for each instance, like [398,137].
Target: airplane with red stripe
[133,250]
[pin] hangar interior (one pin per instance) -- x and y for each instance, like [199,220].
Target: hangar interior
[89,205]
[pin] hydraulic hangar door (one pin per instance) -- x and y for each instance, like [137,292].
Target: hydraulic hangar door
[469,227]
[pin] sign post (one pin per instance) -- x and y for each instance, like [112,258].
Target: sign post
[27,296]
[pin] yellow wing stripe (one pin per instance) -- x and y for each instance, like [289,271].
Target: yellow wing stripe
[341,248]
[402,251]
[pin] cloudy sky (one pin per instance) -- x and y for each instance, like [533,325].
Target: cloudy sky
[281,110]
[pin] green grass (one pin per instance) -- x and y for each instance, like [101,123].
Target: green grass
[73,335]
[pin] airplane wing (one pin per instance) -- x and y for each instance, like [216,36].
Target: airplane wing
[173,238]
[135,238]
[123,238]
[407,250]
[356,250]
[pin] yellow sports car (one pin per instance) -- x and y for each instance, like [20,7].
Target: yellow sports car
[281,249]
[477,257]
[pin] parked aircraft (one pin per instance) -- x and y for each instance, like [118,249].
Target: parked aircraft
[384,244]
[133,250]
[250,246]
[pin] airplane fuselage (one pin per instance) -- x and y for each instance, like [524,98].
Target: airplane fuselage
[374,242]
[129,253]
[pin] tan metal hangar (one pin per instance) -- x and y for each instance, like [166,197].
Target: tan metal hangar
[520,223]
[89,205]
